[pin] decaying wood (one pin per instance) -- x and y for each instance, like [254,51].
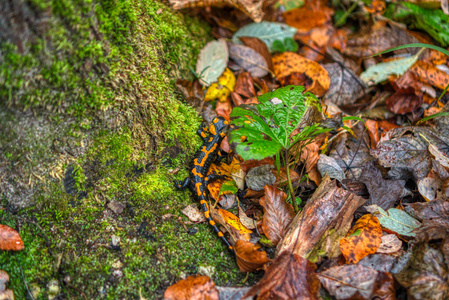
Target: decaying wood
[329,208]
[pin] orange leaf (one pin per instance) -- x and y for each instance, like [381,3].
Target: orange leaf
[289,63]
[10,239]
[305,18]
[430,74]
[363,239]
[277,213]
[193,287]
[222,169]
[231,223]
[249,258]
[373,131]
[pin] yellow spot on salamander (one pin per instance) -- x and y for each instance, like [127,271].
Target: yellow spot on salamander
[198,189]
[230,247]
[195,173]
[203,135]
[207,178]
[226,122]
[210,139]
[215,120]
[220,234]
[206,214]
[222,134]
[211,222]
[204,194]
[203,202]
[212,129]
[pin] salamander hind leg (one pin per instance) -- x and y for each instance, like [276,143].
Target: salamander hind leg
[182,185]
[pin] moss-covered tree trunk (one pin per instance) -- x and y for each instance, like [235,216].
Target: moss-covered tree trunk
[90,126]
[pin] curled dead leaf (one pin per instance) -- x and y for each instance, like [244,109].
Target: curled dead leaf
[10,239]
[248,256]
[193,287]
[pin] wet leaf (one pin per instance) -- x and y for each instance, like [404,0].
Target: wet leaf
[310,156]
[390,244]
[259,46]
[10,239]
[249,59]
[253,8]
[248,256]
[404,101]
[289,277]
[345,87]
[260,176]
[306,18]
[442,158]
[330,208]
[328,165]
[212,61]
[428,188]
[384,193]
[397,221]
[287,63]
[425,276]
[363,239]
[268,32]
[277,213]
[357,282]
[193,287]
[222,89]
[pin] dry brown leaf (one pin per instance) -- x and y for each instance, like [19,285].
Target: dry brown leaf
[363,239]
[373,130]
[329,208]
[253,8]
[277,213]
[289,277]
[357,282]
[404,101]
[193,287]
[10,239]
[245,86]
[193,213]
[231,223]
[390,244]
[289,63]
[248,222]
[248,256]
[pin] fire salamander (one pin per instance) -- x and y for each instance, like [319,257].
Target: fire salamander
[198,179]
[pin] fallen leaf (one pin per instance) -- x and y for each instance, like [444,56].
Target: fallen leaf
[259,46]
[193,213]
[397,221]
[249,59]
[212,61]
[10,239]
[405,150]
[305,18]
[435,219]
[224,109]
[373,130]
[363,239]
[425,276]
[277,213]
[404,101]
[5,294]
[253,8]
[357,282]
[231,223]
[222,89]
[246,221]
[328,165]
[442,158]
[379,262]
[330,208]
[232,293]
[288,63]
[310,156]
[260,176]
[193,287]
[384,193]
[390,244]
[428,188]
[268,32]
[245,86]
[289,277]
[345,87]
[248,256]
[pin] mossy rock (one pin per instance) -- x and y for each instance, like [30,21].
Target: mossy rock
[90,122]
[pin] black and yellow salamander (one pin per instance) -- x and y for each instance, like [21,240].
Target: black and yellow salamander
[198,179]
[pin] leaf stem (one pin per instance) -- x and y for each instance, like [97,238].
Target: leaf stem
[289,180]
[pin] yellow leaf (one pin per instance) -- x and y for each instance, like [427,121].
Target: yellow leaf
[222,89]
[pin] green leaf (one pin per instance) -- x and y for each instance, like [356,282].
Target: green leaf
[290,45]
[262,130]
[212,61]
[278,46]
[398,221]
[380,72]
[440,114]
[268,32]
[229,186]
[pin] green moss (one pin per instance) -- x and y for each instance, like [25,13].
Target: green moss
[99,85]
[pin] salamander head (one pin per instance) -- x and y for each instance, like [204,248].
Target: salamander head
[217,125]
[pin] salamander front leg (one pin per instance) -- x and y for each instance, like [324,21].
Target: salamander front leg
[182,186]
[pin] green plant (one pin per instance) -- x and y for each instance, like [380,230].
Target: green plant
[288,44]
[274,126]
